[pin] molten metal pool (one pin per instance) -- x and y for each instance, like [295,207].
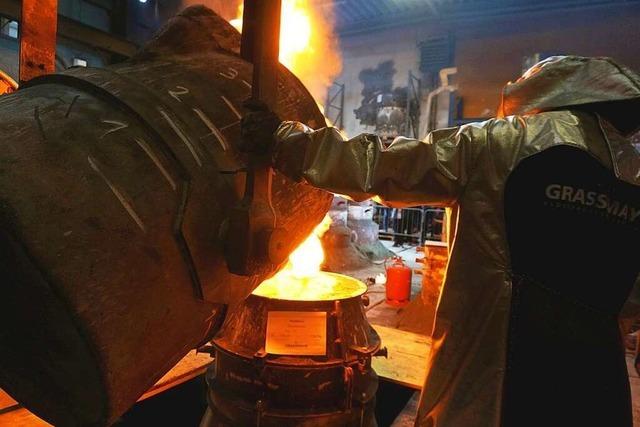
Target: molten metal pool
[296,353]
[322,286]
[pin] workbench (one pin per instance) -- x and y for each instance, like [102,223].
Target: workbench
[406,365]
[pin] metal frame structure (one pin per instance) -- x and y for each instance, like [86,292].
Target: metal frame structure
[412,124]
[397,224]
[74,30]
[331,105]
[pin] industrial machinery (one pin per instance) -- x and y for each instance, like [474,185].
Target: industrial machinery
[392,111]
[298,350]
[116,188]
[296,355]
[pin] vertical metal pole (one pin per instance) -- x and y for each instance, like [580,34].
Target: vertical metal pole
[407,122]
[252,222]
[261,45]
[250,22]
[423,229]
[262,21]
[446,225]
[38,28]
[412,122]
[340,118]
[327,102]
[416,122]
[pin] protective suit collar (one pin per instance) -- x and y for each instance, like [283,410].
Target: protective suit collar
[563,82]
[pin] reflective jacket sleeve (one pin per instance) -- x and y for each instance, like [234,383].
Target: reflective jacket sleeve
[432,171]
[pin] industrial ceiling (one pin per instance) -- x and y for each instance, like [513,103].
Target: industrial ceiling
[356,16]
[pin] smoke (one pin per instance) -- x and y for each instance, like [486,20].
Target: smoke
[320,62]
[309,45]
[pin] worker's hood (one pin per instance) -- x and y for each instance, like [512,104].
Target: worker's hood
[565,82]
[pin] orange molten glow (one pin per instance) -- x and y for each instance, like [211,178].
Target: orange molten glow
[307,259]
[308,45]
[302,280]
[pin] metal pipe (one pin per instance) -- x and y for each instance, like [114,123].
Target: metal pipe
[445,86]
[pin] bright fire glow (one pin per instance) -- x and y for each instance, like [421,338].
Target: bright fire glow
[296,21]
[307,259]
[308,48]
[302,280]
[308,45]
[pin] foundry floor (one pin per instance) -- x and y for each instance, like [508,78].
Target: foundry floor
[381,313]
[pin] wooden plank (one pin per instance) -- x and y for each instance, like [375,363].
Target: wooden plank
[192,365]
[12,414]
[6,400]
[407,361]
[20,417]
[407,418]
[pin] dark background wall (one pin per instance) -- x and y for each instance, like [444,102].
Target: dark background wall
[490,53]
[105,23]
[488,46]
[101,21]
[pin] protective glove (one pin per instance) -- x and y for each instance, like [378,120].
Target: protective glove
[257,128]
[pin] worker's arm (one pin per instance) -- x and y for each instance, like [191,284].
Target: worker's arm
[410,172]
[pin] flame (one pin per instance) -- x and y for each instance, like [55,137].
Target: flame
[306,259]
[308,48]
[308,44]
[301,278]
[237,21]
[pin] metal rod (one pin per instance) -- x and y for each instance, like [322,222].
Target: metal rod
[261,41]
[254,218]
[38,28]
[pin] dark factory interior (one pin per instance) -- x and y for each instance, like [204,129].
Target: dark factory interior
[319,213]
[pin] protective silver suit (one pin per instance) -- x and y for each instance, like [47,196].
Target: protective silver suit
[563,101]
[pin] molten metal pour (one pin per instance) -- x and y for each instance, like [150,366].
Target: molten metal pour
[296,355]
[297,352]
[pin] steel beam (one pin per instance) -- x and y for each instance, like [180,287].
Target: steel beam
[38,27]
[74,30]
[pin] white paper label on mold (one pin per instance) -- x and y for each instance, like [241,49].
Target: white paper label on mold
[297,333]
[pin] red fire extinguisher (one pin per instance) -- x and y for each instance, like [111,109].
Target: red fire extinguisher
[398,282]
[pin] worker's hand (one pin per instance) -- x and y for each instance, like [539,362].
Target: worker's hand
[258,128]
